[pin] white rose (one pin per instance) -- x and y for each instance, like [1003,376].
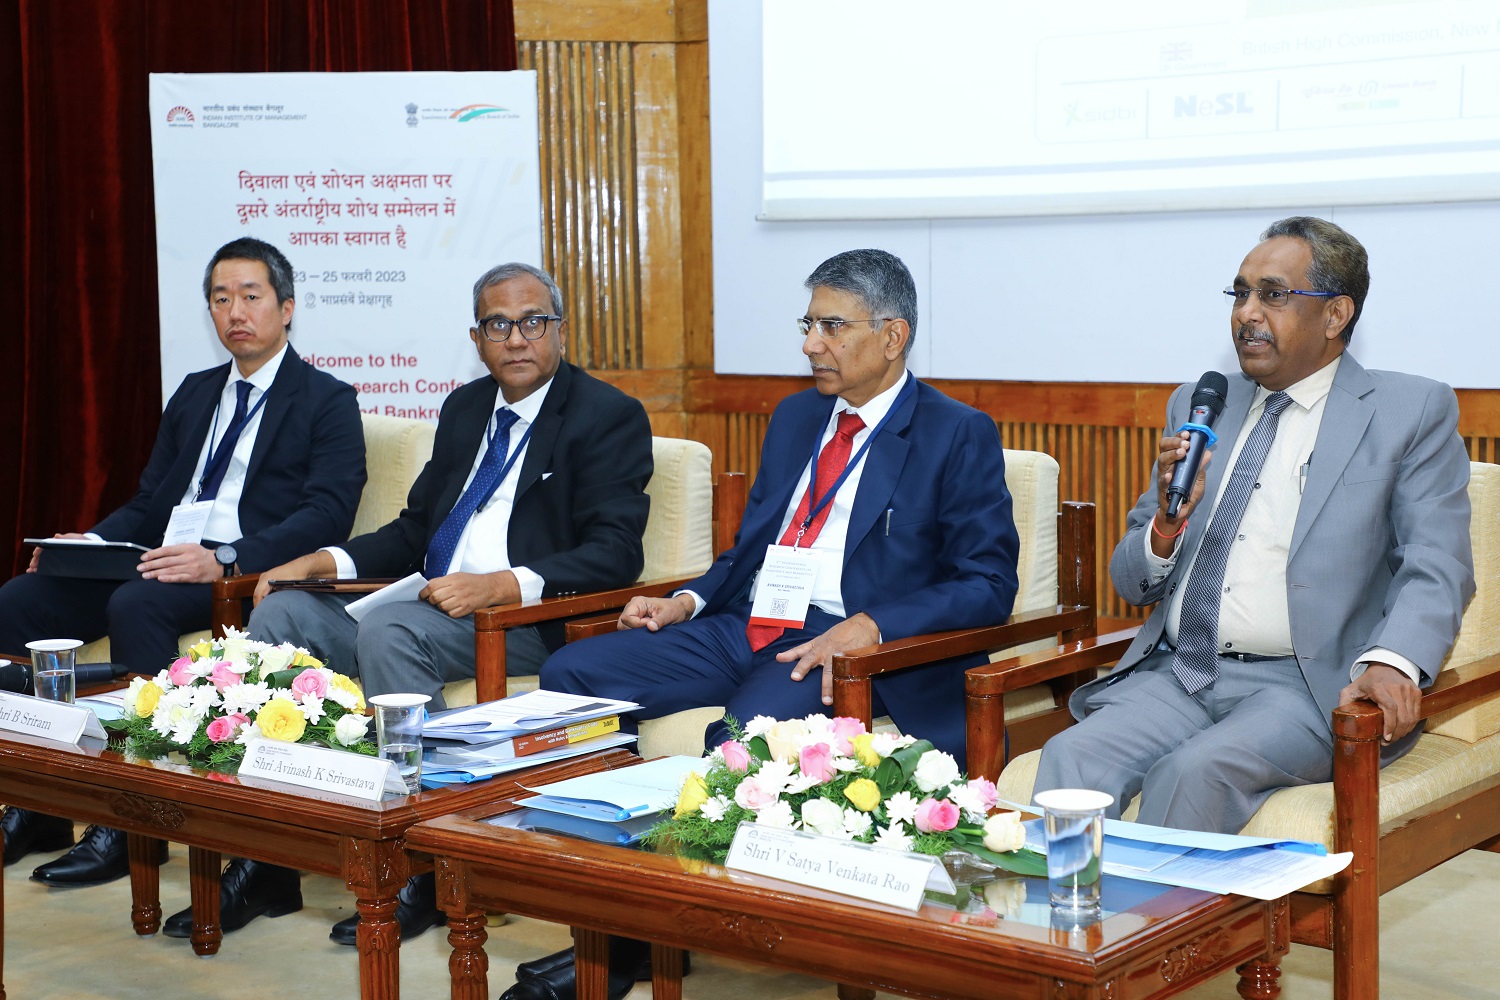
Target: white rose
[351,729]
[784,739]
[232,649]
[934,770]
[275,658]
[1003,832]
[823,816]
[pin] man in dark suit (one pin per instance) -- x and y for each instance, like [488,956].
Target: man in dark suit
[274,445]
[917,537]
[536,487]
[1328,563]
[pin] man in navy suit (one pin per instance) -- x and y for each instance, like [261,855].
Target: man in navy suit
[907,526]
[274,444]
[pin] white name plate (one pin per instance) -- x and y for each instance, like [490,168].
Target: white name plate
[51,720]
[322,768]
[840,866]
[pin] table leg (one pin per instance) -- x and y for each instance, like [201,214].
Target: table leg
[204,871]
[375,871]
[847,992]
[1260,979]
[145,883]
[591,964]
[666,972]
[2,924]
[469,965]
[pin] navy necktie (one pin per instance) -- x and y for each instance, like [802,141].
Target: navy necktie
[1196,661]
[440,550]
[218,458]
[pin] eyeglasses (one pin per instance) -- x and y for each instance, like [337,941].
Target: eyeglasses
[1272,298]
[497,328]
[829,329]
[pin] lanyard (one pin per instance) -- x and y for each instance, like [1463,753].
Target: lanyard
[820,502]
[510,460]
[219,456]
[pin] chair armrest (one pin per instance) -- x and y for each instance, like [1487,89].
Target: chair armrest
[229,596]
[587,628]
[503,616]
[989,679]
[919,650]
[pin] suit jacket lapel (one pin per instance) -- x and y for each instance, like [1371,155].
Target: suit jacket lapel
[544,432]
[279,397]
[883,465]
[1346,416]
[196,424]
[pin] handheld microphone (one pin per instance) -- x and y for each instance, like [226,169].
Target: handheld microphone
[1208,403]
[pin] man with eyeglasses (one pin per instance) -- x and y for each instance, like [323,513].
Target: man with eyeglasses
[536,487]
[265,450]
[1323,559]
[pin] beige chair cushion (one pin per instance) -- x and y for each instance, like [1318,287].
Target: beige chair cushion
[1480,635]
[1435,767]
[395,451]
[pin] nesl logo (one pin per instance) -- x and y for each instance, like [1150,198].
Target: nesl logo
[1229,103]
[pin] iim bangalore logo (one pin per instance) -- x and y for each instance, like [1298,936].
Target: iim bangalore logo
[471,111]
[180,116]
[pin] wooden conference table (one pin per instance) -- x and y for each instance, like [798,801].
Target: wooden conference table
[1152,941]
[359,841]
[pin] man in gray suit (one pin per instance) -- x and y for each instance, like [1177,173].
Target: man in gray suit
[1323,559]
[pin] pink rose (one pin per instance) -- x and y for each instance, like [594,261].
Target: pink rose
[985,789]
[753,795]
[181,671]
[736,757]
[816,761]
[222,729]
[844,731]
[936,815]
[223,677]
[310,682]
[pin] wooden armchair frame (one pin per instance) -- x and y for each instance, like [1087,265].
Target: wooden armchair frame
[1347,920]
[1071,619]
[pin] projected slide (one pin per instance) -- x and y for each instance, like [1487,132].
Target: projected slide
[977,107]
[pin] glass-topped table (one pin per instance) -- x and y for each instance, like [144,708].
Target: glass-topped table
[995,940]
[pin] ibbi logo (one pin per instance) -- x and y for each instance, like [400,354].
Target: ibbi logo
[1227,103]
[1090,116]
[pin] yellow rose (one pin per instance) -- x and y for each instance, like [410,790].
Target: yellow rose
[864,751]
[350,685]
[694,794]
[146,699]
[864,793]
[199,650]
[1003,832]
[784,740]
[305,659]
[279,719]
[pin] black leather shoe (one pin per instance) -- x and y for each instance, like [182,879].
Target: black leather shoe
[416,910]
[27,831]
[247,889]
[559,982]
[101,856]
[542,966]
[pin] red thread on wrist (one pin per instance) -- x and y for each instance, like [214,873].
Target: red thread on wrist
[1158,532]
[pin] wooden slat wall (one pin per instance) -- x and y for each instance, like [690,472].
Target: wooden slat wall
[623,90]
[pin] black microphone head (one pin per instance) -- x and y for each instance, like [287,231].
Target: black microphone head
[1210,392]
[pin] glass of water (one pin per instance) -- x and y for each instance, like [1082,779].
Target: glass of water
[398,733]
[1074,820]
[52,668]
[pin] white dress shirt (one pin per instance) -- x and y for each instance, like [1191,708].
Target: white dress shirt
[484,546]
[1253,613]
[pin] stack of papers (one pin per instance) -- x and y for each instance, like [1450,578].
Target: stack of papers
[518,715]
[1261,867]
[620,795]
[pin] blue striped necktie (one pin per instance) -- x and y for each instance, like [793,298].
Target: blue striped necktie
[1196,661]
[440,550]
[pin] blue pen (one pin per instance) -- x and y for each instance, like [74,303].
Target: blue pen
[628,813]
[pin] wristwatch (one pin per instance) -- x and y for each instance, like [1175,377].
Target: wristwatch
[227,557]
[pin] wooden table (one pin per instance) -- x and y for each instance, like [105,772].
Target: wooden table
[1153,941]
[360,841]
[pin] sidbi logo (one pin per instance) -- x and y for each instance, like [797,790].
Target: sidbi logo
[1212,106]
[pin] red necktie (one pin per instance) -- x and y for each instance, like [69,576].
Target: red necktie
[831,462]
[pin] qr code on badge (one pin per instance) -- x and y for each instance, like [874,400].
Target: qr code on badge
[778,607]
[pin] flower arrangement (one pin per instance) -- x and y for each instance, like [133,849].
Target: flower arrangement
[832,777]
[209,704]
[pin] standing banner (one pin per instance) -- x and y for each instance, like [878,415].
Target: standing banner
[390,193]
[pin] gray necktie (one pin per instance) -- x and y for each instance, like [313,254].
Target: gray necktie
[1196,662]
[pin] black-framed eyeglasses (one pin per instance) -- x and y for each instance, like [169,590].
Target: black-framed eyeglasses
[1272,298]
[497,328]
[829,329]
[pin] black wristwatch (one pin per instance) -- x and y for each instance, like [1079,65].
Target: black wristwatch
[227,557]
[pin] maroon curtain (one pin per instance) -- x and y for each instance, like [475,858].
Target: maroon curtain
[77,233]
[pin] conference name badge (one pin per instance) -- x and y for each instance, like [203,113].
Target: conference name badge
[321,768]
[187,523]
[784,587]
